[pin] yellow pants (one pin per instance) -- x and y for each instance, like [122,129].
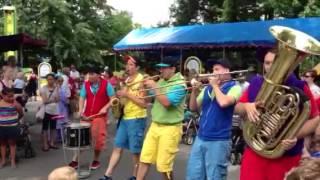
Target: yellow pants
[161,146]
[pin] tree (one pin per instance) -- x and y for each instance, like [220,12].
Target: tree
[185,12]
[311,9]
[76,30]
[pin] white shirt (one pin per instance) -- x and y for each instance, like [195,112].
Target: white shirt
[315,90]
[74,74]
[244,86]
[19,84]
[51,108]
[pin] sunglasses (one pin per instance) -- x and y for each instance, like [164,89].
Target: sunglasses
[307,76]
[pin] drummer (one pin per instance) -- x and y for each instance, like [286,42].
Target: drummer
[96,93]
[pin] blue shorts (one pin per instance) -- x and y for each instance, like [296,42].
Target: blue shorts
[130,134]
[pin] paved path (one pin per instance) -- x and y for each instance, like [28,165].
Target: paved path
[39,167]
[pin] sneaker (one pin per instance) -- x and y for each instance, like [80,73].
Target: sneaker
[106,178]
[74,164]
[132,178]
[95,165]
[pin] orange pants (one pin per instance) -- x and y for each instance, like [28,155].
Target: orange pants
[98,132]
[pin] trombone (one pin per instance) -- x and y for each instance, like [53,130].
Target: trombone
[144,79]
[201,76]
[193,82]
[219,74]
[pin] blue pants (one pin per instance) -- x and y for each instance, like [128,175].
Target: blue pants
[130,134]
[208,160]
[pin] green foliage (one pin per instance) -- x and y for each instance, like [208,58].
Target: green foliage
[76,30]
[185,12]
[312,8]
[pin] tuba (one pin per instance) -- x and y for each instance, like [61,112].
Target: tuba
[284,109]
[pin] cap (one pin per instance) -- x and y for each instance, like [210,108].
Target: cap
[168,61]
[223,62]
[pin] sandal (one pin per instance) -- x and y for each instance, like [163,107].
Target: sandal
[53,147]
[45,149]
[2,165]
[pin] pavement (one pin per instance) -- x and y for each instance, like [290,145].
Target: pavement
[43,163]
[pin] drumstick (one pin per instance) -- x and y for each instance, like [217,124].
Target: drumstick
[92,116]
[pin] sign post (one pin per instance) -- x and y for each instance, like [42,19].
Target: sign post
[44,69]
[10,26]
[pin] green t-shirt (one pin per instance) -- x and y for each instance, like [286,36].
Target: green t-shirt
[175,112]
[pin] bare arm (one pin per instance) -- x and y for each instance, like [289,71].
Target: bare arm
[240,109]
[309,127]
[81,105]
[137,100]
[163,99]
[193,104]
[105,108]
[222,99]
[44,97]
[19,109]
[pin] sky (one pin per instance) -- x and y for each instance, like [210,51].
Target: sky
[145,12]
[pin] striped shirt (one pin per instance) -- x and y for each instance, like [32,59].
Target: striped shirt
[8,116]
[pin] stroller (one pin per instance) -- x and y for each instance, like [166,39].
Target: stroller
[190,127]
[24,146]
[238,143]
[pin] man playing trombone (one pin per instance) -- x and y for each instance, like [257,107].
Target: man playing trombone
[163,137]
[130,133]
[209,155]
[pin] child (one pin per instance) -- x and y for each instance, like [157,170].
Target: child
[63,173]
[315,147]
[10,113]
[309,169]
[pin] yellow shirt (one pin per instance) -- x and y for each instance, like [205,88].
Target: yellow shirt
[132,110]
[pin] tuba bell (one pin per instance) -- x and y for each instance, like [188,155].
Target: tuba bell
[284,109]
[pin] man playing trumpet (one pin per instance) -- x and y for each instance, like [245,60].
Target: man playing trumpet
[163,137]
[209,155]
[130,133]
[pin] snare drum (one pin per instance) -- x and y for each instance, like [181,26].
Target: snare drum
[78,135]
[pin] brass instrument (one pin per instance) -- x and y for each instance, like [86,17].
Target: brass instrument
[219,74]
[205,76]
[284,110]
[144,79]
[116,108]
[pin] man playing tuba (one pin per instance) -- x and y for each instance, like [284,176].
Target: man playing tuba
[255,166]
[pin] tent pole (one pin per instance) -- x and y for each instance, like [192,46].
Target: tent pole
[21,55]
[115,60]
[181,59]
[161,54]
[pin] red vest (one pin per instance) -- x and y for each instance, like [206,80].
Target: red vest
[94,102]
